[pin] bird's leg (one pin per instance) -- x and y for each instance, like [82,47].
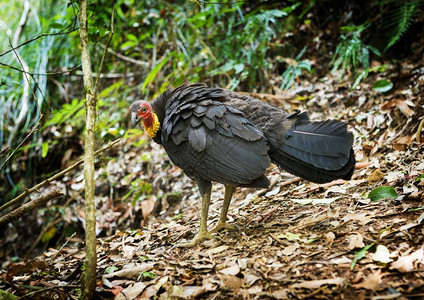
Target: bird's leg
[222,223]
[205,189]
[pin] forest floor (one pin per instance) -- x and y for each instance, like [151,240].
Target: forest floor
[294,240]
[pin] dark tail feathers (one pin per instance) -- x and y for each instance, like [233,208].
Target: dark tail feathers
[316,151]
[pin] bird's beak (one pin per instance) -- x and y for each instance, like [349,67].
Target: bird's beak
[135,119]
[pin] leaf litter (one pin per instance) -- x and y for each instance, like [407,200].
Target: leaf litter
[294,240]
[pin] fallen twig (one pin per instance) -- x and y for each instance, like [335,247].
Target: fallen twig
[58,251]
[418,133]
[75,272]
[27,207]
[265,215]
[291,181]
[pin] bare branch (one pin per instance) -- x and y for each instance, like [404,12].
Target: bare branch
[28,83]
[40,74]
[30,206]
[62,32]
[126,58]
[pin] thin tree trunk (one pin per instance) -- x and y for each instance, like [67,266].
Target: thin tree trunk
[89,268]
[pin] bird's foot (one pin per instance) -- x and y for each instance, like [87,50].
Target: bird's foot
[222,225]
[197,240]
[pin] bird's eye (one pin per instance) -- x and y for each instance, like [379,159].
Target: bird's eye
[143,109]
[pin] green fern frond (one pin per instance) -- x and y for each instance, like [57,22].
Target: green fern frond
[398,20]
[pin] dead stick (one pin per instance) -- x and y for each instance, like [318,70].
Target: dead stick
[291,181]
[418,133]
[265,215]
[54,177]
[27,207]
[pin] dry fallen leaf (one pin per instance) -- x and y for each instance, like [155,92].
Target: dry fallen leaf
[371,282]
[382,255]
[404,108]
[342,260]
[330,237]
[363,218]
[315,284]
[230,281]
[406,263]
[132,291]
[217,249]
[256,289]
[289,250]
[356,241]
[131,272]
[234,269]
[375,176]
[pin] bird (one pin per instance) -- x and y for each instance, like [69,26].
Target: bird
[221,136]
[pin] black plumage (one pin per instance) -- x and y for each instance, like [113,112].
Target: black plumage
[216,135]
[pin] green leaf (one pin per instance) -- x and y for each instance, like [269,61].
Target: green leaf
[143,258]
[44,149]
[360,254]
[362,75]
[382,86]
[111,269]
[55,25]
[152,75]
[177,217]
[148,275]
[49,234]
[127,45]
[420,177]
[417,208]
[238,68]
[132,37]
[7,296]
[383,192]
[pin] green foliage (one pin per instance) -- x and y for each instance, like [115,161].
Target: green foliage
[364,73]
[189,42]
[111,269]
[294,70]
[73,114]
[351,52]
[24,98]
[360,254]
[139,189]
[148,275]
[244,50]
[383,192]
[152,75]
[399,18]
[383,85]
[7,296]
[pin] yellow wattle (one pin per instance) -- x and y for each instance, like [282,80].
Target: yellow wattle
[153,129]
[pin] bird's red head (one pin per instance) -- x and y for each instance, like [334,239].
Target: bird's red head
[141,110]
